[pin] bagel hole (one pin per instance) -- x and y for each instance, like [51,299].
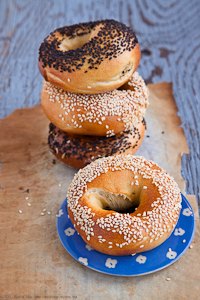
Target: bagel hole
[120,203]
[74,43]
[124,210]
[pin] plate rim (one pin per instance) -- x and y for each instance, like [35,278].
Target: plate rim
[141,274]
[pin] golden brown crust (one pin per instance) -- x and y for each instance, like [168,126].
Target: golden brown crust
[116,183]
[102,61]
[100,115]
[95,81]
[79,151]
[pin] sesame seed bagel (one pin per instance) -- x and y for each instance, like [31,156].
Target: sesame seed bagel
[123,204]
[100,114]
[89,58]
[78,151]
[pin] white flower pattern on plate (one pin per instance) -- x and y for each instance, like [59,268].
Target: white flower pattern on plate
[171,254]
[110,263]
[187,212]
[60,213]
[179,231]
[141,259]
[88,247]
[69,231]
[83,260]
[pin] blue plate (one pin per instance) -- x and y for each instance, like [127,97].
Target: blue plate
[133,265]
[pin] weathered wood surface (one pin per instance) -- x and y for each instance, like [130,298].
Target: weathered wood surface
[33,263]
[170,40]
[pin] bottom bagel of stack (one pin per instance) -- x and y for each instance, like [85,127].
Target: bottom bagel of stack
[123,204]
[78,151]
[86,127]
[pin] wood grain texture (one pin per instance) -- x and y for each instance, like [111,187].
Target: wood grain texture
[170,40]
[33,263]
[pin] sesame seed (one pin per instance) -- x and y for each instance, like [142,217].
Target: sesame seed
[132,228]
[127,105]
[20,211]
[168,278]
[63,156]
[29,204]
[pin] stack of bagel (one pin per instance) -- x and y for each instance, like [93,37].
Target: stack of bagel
[96,102]
[92,94]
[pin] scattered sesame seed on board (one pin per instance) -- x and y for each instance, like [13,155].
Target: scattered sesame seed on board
[20,211]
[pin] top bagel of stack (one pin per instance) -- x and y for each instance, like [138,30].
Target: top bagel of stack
[92,94]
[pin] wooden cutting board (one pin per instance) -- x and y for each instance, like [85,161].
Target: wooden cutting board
[33,184]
